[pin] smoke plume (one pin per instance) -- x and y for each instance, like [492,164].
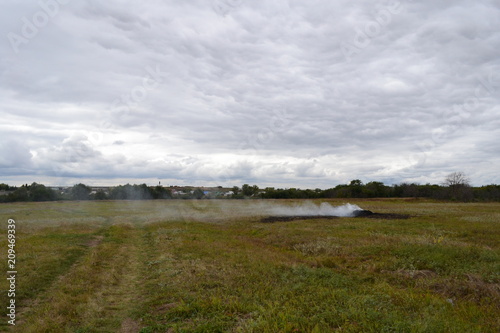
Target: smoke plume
[310,209]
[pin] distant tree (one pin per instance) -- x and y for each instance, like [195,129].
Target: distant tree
[235,190]
[342,191]
[131,192]
[269,192]
[356,187]
[198,193]
[456,179]
[119,192]
[356,182]
[80,192]
[141,192]
[405,190]
[255,190]
[430,191]
[21,194]
[39,192]
[100,195]
[458,186]
[375,190]
[5,187]
[487,193]
[159,192]
[249,191]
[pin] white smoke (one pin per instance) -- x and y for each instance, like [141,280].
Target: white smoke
[310,209]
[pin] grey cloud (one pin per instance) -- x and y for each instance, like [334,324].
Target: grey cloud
[264,85]
[14,157]
[72,150]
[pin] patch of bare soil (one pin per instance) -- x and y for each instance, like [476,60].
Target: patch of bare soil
[95,241]
[417,274]
[130,326]
[472,288]
[166,307]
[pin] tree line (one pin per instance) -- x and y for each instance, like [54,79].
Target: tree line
[40,192]
[456,187]
[404,190]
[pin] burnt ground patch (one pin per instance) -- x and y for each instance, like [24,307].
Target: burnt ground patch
[287,218]
[364,214]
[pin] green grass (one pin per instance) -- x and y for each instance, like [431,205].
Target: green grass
[212,266]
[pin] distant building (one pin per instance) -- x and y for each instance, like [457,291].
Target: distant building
[105,189]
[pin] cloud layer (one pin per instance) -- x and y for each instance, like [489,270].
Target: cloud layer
[225,92]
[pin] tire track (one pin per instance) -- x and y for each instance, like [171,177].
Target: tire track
[99,293]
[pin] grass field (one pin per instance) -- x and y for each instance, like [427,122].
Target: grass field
[213,266]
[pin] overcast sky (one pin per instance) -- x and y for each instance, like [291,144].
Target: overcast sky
[283,93]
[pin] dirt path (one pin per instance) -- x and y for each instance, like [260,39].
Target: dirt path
[98,294]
